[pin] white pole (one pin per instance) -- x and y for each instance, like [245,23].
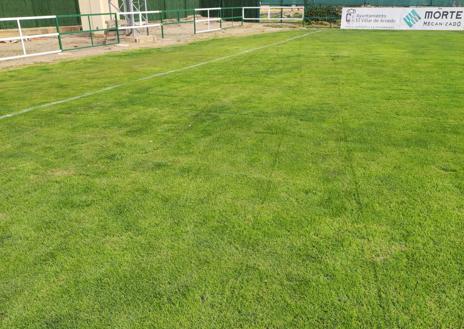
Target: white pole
[21,35]
[146,9]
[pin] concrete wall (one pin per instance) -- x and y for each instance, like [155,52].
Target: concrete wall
[94,7]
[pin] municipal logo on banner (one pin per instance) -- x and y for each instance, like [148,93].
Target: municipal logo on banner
[412,18]
[350,15]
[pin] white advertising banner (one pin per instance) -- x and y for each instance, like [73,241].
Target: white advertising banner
[405,18]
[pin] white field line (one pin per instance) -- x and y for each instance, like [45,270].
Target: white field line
[156,75]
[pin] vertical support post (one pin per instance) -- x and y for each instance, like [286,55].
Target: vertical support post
[21,36]
[90,28]
[305,5]
[194,22]
[162,25]
[209,23]
[220,18]
[116,23]
[57,24]
[281,11]
[304,13]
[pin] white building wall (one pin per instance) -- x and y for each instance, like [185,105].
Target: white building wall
[96,7]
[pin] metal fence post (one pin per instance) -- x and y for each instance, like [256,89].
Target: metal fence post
[304,15]
[21,36]
[220,17]
[90,28]
[194,22]
[162,25]
[60,42]
[117,28]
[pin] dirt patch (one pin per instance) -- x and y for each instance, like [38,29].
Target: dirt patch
[175,34]
[385,252]
[59,172]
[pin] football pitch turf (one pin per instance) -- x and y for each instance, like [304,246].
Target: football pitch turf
[285,180]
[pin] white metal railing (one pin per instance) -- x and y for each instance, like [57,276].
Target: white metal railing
[22,38]
[143,19]
[208,20]
[266,13]
[205,20]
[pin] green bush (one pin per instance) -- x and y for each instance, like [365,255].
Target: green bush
[324,13]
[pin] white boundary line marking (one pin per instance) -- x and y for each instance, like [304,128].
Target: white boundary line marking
[156,75]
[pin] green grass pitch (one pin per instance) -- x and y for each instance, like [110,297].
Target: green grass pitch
[314,184]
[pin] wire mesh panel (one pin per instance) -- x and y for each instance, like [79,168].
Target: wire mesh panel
[282,14]
[19,42]
[178,16]
[97,30]
[207,20]
[140,22]
[179,23]
[231,17]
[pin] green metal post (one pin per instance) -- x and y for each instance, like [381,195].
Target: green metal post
[90,28]
[220,18]
[194,22]
[59,33]
[162,26]
[117,28]
[305,5]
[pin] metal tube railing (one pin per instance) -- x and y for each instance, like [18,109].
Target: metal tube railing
[143,20]
[22,38]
